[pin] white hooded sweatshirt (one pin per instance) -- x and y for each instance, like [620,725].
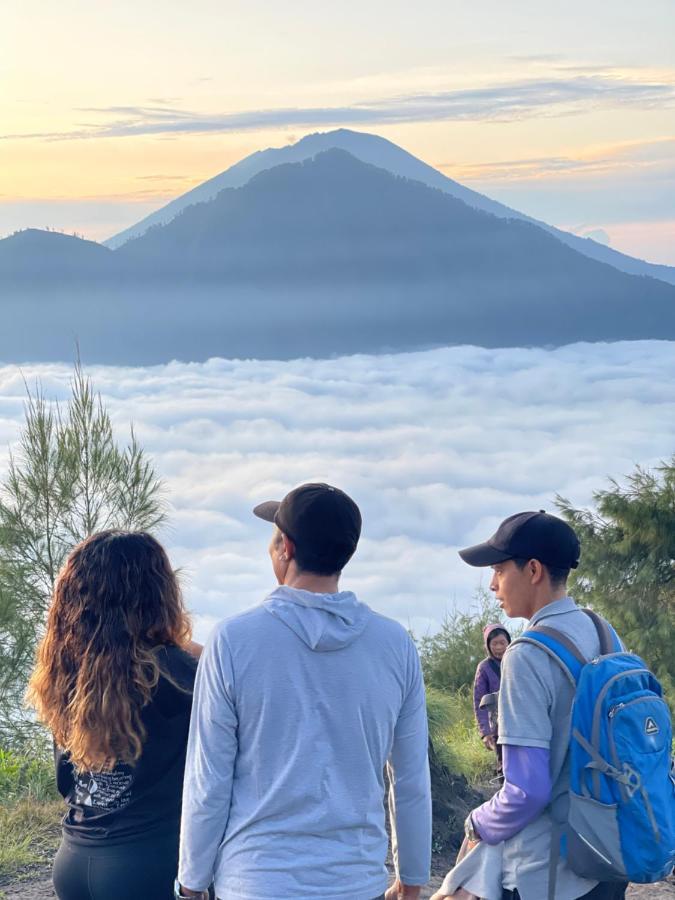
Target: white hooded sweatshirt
[299,703]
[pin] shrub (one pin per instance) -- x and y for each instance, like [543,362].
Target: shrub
[29,811]
[454,735]
[26,778]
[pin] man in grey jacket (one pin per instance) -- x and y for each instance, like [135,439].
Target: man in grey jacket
[531,555]
[299,703]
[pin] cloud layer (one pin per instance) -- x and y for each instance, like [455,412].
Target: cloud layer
[436,447]
[515,100]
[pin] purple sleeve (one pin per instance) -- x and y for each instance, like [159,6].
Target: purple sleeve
[481,687]
[526,791]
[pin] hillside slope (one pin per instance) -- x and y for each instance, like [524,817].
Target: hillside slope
[384,154]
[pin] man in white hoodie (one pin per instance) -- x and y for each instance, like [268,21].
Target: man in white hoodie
[299,703]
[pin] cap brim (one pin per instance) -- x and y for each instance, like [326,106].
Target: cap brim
[483,555]
[267,510]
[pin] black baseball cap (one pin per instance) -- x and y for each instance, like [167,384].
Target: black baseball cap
[320,519]
[528,535]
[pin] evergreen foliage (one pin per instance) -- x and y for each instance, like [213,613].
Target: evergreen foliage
[627,568]
[67,479]
[449,657]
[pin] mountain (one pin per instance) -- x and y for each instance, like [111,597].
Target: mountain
[384,154]
[34,254]
[326,256]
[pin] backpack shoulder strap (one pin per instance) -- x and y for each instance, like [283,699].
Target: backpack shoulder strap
[609,639]
[559,647]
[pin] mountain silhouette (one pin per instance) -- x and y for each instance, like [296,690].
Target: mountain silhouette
[335,220]
[329,255]
[34,254]
[384,154]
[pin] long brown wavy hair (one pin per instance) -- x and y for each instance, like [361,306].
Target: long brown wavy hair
[116,601]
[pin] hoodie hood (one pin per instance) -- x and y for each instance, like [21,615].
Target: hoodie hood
[489,631]
[324,622]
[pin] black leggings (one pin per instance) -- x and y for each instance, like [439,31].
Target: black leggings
[144,870]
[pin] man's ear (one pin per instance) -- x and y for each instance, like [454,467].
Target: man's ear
[537,571]
[289,546]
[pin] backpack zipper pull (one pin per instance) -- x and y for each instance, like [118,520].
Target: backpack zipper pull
[615,709]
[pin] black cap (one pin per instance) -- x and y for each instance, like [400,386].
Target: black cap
[528,535]
[320,519]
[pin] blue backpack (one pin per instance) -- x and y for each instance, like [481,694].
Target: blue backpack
[621,820]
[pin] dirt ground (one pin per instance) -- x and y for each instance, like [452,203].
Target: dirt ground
[36,885]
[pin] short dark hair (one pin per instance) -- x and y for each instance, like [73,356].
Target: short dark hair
[557,576]
[323,522]
[331,562]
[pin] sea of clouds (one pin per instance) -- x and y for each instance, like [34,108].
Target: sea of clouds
[436,447]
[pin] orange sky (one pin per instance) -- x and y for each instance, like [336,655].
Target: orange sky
[106,113]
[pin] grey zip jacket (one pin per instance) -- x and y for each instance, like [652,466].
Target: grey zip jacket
[299,703]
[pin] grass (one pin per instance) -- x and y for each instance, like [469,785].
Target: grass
[455,736]
[30,807]
[29,812]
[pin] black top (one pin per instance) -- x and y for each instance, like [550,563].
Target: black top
[143,799]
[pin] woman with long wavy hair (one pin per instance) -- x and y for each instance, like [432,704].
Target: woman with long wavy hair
[113,682]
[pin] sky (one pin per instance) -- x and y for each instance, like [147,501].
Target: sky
[436,447]
[563,111]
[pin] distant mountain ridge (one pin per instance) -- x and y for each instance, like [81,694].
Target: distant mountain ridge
[385,155]
[50,253]
[330,255]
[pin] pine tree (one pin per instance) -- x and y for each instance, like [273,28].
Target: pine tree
[627,568]
[67,479]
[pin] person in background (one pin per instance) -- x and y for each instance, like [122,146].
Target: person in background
[299,704]
[486,683]
[113,682]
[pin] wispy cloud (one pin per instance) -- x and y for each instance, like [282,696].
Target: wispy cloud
[155,192]
[657,154]
[163,178]
[504,102]
[544,58]
[163,101]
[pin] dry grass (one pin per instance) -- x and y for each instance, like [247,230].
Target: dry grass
[30,812]
[29,833]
